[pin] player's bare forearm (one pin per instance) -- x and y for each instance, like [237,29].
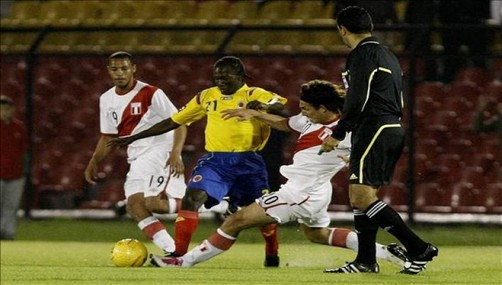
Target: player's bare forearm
[101,151]
[275,121]
[157,129]
[180,135]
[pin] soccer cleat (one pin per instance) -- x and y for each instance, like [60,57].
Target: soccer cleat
[161,261]
[398,255]
[271,261]
[418,263]
[120,208]
[355,267]
[171,254]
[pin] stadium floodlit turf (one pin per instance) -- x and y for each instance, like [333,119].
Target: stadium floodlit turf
[77,252]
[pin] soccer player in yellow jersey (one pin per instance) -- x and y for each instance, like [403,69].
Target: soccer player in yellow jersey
[231,167]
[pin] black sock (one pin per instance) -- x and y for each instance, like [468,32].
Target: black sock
[366,237]
[388,219]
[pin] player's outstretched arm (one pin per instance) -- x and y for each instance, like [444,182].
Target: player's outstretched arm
[275,121]
[157,129]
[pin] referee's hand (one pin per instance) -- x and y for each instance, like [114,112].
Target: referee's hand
[328,145]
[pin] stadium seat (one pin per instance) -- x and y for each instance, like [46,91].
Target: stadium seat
[476,75]
[444,119]
[460,105]
[276,12]
[178,12]
[111,190]
[467,90]
[56,13]
[143,13]
[16,42]
[494,90]
[89,12]
[23,13]
[215,12]
[433,89]
[493,200]
[467,198]
[395,194]
[471,174]
[431,197]
[312,12]
[244,11]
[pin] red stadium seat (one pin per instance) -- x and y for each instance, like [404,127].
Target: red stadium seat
[494,198]
[431,197]
[466,90]
[395,194]
[466,198]
[476,75]
[433,89]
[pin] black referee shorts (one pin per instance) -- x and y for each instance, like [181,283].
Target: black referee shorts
[376,148]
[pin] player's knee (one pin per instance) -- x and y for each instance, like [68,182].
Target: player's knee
[156,205]
[193,199]
[313,235]
[234,223]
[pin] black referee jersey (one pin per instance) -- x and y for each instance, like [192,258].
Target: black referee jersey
[373,79]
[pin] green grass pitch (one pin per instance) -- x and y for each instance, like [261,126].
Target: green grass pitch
[61,251]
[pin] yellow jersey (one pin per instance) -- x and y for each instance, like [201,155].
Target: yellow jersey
[230,135]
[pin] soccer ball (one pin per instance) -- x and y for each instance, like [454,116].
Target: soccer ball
[129,253]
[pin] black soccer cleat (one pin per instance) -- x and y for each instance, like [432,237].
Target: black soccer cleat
[418,263]
[120,208]
[271,261]
[398,255]
[355,267]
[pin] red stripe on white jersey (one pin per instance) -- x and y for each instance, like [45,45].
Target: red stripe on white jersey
[135,110]
[311,139]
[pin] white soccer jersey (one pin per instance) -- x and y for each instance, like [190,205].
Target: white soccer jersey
[306,159]
[306,195]
[130,113]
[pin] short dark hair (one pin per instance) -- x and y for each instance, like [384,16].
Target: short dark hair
[322,92]
[233,63]
[121,55]
[355,19]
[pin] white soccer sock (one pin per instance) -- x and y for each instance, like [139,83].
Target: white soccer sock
[381,251]
[155,230]
[200,253]
[352,241]
[206,250]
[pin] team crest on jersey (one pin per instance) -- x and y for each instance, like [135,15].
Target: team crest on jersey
[226,97]
[345,75]
[325,134]
[136,108]
[197,178]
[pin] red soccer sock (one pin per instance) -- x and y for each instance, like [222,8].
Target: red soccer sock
[269,233]
[185,225]
[150,226]
[338,237]
[221,240]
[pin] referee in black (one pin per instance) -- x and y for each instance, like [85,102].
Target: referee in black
[372,112]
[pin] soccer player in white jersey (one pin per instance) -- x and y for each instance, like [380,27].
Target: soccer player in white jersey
[306,195]
[156,166]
